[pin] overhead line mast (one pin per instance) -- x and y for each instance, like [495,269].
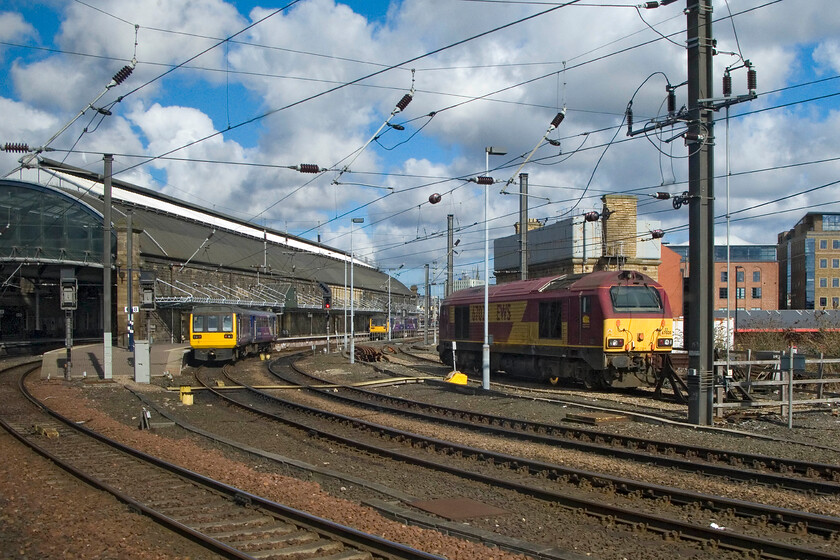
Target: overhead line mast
[699,138]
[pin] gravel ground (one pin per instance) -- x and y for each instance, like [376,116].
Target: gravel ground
[112,409]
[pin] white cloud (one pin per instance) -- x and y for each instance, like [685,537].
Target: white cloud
[318,45]
[827,54]
[14,28]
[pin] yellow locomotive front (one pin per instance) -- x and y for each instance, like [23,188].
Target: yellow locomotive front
[213,334]
[637,332]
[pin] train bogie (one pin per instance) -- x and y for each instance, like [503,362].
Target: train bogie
[603,329]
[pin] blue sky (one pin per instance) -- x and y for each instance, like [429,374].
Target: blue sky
[287,64]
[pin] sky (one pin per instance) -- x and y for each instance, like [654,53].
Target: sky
[227,98]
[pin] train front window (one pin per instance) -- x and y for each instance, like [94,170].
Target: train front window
[635,298]
[212,323]
[198,323]
[227,323]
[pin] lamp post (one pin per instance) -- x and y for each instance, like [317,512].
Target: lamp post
[352,322]
[485,349]
[389,300]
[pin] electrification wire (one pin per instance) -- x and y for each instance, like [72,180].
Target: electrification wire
[352,82]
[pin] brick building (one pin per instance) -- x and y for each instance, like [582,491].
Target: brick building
[809,263]
[751,282]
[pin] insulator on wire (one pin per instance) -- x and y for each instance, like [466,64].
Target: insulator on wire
[434,198]
[649,5]
[752,80]
[122,75]
[558,119]
[592,216]
[727,84]
[657,234]
[484,180]
[308,168]
[628,115]
[672,101]
[403,103]
[16,147]
[692,137]
[662,196]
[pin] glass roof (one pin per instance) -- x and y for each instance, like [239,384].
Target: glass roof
[42,224]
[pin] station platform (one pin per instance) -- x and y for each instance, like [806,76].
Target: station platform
[88,360]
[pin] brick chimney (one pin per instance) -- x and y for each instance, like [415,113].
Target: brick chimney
[620,228]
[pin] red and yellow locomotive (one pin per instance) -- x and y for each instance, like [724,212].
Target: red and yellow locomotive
[604,329]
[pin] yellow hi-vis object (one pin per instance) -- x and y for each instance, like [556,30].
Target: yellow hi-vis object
[456,377]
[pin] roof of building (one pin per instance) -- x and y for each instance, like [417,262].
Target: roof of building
[180,233]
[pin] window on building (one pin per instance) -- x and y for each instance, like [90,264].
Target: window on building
[835,282]
[831,222]
[823,302]
[723,293]
[756,293]
[835,302]
[740,293]
[835,244]
[823,263]
[551,324]
[756,276]
[835,263]
[724,277]
[823,243]
[739,275]
[823,282]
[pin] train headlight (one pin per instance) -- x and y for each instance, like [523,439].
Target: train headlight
[196,336]
[615,343]
[665,343]
[228,335]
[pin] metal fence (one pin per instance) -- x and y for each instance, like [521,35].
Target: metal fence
[776,379]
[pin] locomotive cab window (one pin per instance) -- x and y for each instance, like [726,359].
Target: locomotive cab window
[551,324]
[462,322]
[198,323]
[635,298]
[227,323]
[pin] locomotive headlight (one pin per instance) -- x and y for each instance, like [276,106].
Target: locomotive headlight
[665,342]
[615,342]
[228,336]
[196,336]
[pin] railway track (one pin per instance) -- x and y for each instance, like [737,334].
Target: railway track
[224,519]
[540,480]
[803,476]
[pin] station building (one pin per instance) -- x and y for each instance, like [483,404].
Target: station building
[53,223]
